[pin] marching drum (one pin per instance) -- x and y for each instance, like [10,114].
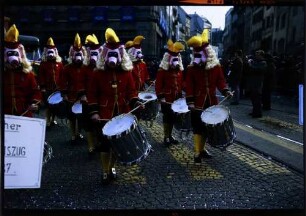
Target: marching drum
[183,116]
[219,124]
[57,105]
[151,109]
[77,108]
[127,139]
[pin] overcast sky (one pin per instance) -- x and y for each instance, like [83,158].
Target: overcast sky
[215,14]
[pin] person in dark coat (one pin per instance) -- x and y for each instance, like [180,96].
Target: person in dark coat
[235,76]
[257,69]
[268,82]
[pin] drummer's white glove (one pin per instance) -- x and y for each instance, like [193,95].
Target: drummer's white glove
[191,106]
[43,90]
[33,107]
[229,94]
[95,117]
[84,98]
[163,100]
[141,105]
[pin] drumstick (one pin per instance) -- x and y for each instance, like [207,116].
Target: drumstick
[150,85]
[139,106]
[28,109]
[226,97]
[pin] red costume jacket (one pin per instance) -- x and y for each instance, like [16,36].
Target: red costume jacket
[140,75]
[169,84]
[201,85]
[49,75]
[109,88]
[72,82]
[20,91]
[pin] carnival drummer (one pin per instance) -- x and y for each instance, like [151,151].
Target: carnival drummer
[111,93]
[204,75]
[22,94]
[140,70]
[168,86]
[50,71]
[71,86]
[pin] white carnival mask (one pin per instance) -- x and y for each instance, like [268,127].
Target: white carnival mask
[137,53]
[199,57]
[113,57]
[174,61]
[78,56]
[12,56]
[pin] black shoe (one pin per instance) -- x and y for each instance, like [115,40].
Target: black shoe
[256,116]
[197,159]
[205,154]
[173,140]
[113,174]
[167,142]
[105,180]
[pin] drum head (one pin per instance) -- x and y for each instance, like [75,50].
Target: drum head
[77,108]
[147,96]
[55,98]
[215,114]
[180,106]
[118,125]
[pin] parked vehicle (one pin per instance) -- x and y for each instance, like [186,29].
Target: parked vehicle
[32,48]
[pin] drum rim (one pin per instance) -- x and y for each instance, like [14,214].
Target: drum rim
[74,105]
[149,93]
[51,95]
[219,123]
[175,103]
[124,133]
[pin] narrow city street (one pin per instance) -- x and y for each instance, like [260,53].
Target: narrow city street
[250,174]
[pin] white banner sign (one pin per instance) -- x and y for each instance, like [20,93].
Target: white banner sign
[301,104]
[24,140]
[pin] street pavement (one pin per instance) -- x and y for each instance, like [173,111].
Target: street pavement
[259,171]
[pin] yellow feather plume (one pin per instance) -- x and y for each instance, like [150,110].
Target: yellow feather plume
[77,41]
[12,34]
[137,40]
[91,39]
[110,36]
[204,36]
[195,41]
[128,44]
[50,42]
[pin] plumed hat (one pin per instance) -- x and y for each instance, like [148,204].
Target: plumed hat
[92,41]
[199,42]
[77,44]
[128,44]
[137,41]
[111,39]
[50,43]
[175,47]
[11,37]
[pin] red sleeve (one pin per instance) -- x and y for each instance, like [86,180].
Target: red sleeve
[159,84]
[36,94]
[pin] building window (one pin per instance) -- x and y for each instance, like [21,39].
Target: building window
[283,24]
[127,14]
[277,23]
[73,14]
[24,15]
[99,14]
[48,15]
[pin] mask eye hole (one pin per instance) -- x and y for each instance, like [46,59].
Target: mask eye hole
[175,59]
[50,52]
[12,53]
[197,55]
[78,54]
[112,54]
[94,53]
